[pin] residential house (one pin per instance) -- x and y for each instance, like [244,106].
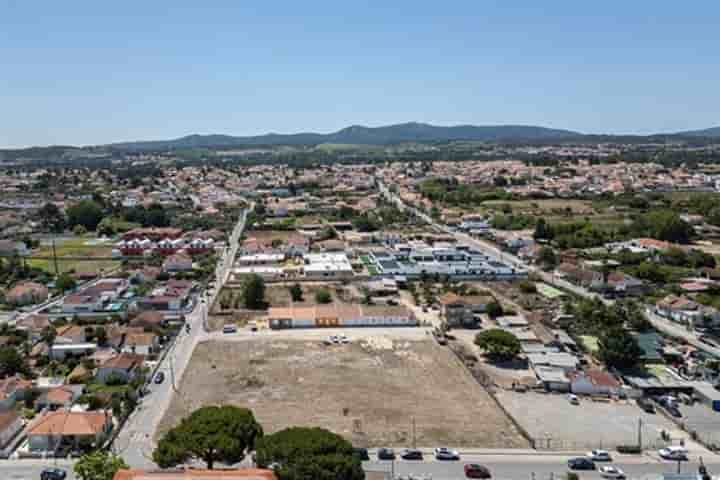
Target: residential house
[124,366]
[590,279]
[594,382]
[82,303]
[9,248]
[27,293]
[71,334]
[145,343]
[10,425]
[179,262]
[58,397]
[62,428]
[463,311]
[33,324]
[13,389]
[624,284]
[60,351]
[148,319]
[683,310]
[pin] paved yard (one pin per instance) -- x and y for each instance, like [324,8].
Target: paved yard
[703,420]
[554,422]
[369,390]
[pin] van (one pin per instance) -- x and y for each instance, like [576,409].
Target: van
[230,328]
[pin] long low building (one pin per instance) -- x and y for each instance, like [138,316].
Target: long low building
[336,315]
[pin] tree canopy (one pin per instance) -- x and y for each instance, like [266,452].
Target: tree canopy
[253,292]
[618,349]
[498,343]
[98,465]
[309,454]
[86,213]
[211,434]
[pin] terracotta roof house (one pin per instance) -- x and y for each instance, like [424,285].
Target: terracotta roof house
[145,343]
[179,262]
[149,318]
[594,382]
[124,366]
[61,427]
[33,324]
[58,397]
[463,311]
[191,474]
[27,293]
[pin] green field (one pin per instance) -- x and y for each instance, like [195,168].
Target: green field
[84,254]
[548,291]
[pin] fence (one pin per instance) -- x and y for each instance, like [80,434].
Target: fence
[561,445]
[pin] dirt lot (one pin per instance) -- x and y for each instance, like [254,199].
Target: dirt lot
[280,235]
[368,390]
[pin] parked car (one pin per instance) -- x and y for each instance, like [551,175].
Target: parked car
[160,377]
[581,463]
[229,328]
[411,454]
[673,453]
[361,453]
[442,453]
[646,405]
[473,470]
[386,454]
[573,399]
[53,474]
[599,456]
[611,472]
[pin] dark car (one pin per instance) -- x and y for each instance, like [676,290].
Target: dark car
[581,463]
[160,377]
[411,454]
[646,404]
[473,470]
[386,454]
[361,453]
[53,474]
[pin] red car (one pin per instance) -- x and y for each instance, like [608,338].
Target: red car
[473,470]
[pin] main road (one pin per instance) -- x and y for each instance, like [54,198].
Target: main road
[135,441]
[529,466]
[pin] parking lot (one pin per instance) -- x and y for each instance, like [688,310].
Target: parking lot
[703,421]
[556,424]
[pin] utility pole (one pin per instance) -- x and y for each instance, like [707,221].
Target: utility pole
[413,430]
[640,433]
[55,262]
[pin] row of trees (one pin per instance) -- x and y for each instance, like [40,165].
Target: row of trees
[228,433]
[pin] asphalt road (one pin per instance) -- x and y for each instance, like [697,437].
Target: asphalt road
[135,441]
[31,469]
[506,467]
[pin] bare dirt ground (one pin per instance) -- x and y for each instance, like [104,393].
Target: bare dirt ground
[368,391]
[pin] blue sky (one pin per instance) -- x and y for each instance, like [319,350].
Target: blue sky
[90,72]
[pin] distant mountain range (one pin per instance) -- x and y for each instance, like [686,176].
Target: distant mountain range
[708,132]
[360,135]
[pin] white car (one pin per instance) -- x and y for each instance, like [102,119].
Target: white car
[573,399]
[443,453]
[673,453]
[609,471]
[343,339]
[599,456]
